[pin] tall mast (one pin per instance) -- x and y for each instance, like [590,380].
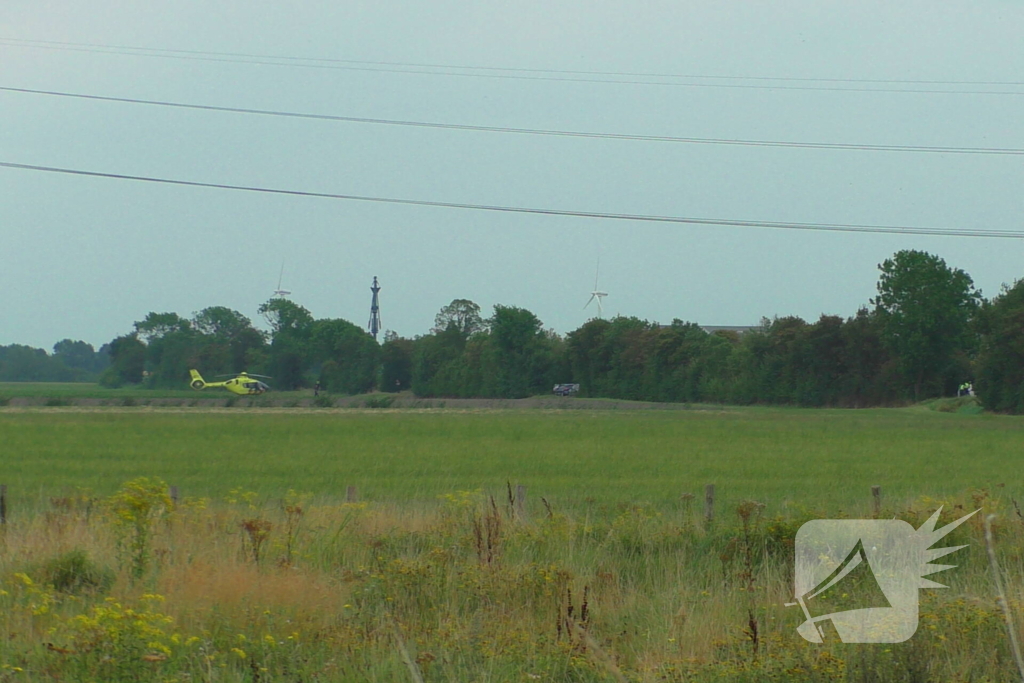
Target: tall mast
[374,325]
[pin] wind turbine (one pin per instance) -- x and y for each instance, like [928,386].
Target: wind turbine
[281,292]
[597,294]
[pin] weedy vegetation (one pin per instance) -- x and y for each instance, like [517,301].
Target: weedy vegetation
[608,572]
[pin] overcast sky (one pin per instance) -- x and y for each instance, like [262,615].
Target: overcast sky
[86,257]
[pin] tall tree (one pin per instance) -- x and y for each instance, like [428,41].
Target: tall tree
[286,316]
[523,354]
[171,349]
[156,325]
[349,356]
[79,355]
[925,308]
[127,361]
[228,339]
[396,363]
[290,352]
[1000,375]
[461,315]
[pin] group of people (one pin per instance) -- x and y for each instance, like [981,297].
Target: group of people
[966,389]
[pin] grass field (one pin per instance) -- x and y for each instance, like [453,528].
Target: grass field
[85,390]
[264,573]
[771,455]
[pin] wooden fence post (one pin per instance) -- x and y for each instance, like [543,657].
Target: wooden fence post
[709,503]
[352,495]
[520,501]
[173,490]
[876,499]
[3,503]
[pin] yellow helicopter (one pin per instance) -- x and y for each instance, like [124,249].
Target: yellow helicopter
[242,384]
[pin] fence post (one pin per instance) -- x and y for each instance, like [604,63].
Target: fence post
[352,495]
[3,503]
[520,501]
[876,500]
[709,503]
[173,490]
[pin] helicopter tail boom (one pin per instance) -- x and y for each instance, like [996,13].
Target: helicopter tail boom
[197,380]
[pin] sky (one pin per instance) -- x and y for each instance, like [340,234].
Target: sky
[84,258]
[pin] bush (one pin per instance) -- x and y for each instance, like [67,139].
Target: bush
[323,402]
[57,402]
[74,573]
[379,401]
[111,379]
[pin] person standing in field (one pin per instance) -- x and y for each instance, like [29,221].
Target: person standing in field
[316,388]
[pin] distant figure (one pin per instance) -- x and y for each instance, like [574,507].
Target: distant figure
[398,385]
[316,388]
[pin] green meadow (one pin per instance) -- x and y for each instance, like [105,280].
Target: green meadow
[70,390]
[812,457]
[264,571]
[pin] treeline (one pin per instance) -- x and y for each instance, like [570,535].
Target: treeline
[71,361]
[297,351]
[926,332]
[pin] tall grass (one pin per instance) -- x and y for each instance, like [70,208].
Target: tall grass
[463,589]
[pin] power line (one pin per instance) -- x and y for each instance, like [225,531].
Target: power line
[644,74]
[1003,151]
[785,225]
[516,74]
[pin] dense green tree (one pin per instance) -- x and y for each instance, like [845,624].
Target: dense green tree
[20,363]
[925,308]
[1000,369]
[674,367]
[291,354]
[127,361]
[462,315]
[349,356]
[396,364]
[80,355]
[524,359]
[286,316]
[871,376]
[228,340]
[431,354]
[437,362]
[157,325]
[588,358]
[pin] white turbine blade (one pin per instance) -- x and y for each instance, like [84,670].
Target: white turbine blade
[597,273]
[592,297]
[280,277]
